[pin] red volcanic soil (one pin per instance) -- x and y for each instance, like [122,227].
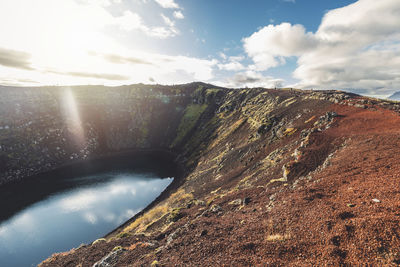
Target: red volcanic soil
[346,212]
[329,220]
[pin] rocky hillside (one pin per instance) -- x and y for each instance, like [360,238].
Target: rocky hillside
[271,177]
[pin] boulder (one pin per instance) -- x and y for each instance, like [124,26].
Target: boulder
[110,259]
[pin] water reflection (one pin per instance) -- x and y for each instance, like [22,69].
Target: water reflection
[80,215]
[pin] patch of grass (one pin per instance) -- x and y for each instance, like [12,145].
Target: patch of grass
[180,196]
[289,101]
[225,133]
[123,235]
[99,240]
[188,121]
[210,201]
[244,183]
[276,237]
[174,215]
[211,94]
[310,119]
[289,131]
[277,180]
[140,223]
[156,213]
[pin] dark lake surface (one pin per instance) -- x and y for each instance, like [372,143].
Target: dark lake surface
[55,212]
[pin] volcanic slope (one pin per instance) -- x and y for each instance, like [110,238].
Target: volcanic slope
[284,178]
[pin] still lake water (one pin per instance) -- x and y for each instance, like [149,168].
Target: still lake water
[72,211]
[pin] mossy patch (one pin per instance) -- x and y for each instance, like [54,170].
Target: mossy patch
[140,223]
[123,235]
[99,240]
[116,248]
[158,212]
[211,94]
[226,132]
[175,215]
[277,180]
[188,121]
[289,131]
[277,237]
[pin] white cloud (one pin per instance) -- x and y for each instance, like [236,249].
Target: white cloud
[231,66]
[168,4]
[131,21]
[251,79]
[222,55]
[178,15]
[102,2]
[66,42]
[233,63]
[167,21]
[236,58]
[357,46]
[271,44]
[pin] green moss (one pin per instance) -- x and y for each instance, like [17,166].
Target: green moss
[199,136]
[123,235]
[188,121]
[174,215]
[116,248]
[99,240]
[198,91]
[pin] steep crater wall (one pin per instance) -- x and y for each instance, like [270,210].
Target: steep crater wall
[42,129]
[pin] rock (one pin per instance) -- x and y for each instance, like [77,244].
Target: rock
[195,202]
[304,133]
[152,244]
[236,202]
[110,260]
[171,237]
[203,232]
[285,172]
[262,129]
[215,208]
[360,106]
[351,205]
[376,200]
[160,236]
[246,200]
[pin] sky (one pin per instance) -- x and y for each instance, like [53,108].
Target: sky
[321,44]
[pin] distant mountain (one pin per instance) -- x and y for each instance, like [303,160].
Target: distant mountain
[395,96]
